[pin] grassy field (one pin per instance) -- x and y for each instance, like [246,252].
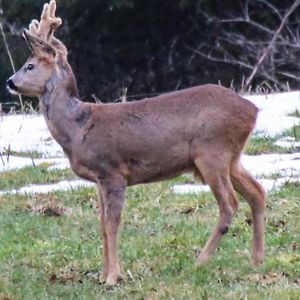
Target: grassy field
[51,247]
[263,144]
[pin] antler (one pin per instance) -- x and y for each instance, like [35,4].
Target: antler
[47,25]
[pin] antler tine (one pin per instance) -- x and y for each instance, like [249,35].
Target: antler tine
[33,27]
[48,22]
[52,9]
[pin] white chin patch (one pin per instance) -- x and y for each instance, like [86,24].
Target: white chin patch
[13,92]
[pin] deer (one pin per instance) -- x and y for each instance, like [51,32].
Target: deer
[201,130]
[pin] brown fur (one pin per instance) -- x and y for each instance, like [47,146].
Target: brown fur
[201,130]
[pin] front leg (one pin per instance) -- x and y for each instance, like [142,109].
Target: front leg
[112,201]
[104,271]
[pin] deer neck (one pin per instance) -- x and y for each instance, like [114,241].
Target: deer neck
[65,114]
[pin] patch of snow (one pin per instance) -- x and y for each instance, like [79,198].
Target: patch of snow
[30,132]
[270,164]
[268,184]
[189,188]
[63,185]
[12,162]
[286,167]
[59,163]
[287,142]
[24,133]
[273,117]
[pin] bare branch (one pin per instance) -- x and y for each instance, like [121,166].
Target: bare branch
[227,58]
[271,44]
[289,75]
[248,21]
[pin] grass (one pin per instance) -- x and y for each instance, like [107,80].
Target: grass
[31,154]
[32,175]
[46,257]
[57,255]
[293,132]
[262,145]
[296,114]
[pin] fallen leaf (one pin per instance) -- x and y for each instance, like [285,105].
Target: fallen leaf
[52,278]
[46,206]
[54,211]
[270,278]
[168,226]
[254,277]
[294,246]
[249,221]
[187,210]
[278,223]
[266,279]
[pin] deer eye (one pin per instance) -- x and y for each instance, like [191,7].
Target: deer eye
[30,67]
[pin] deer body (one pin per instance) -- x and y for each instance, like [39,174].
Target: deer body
[152,139]
[201,130]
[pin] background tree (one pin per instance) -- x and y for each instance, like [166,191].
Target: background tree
[152,46]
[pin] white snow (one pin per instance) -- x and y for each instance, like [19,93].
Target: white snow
[273,118]
[15,162]
[268,184]
[273,164]
[26,133]
[287,142]
[46,188]
[23,133]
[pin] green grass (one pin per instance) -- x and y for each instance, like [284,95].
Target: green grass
[47,257]
[262,145]
[31,154]
[293,132]
[296,114]
[32,175]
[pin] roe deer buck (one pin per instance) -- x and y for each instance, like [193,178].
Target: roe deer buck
[201,130]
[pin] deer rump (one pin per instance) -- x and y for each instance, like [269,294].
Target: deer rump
[159,138]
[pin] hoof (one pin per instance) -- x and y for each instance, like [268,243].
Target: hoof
[257,261]
[102,277]
[202,259]
[112,280]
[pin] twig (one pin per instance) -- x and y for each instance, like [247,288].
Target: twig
[130,275]
[224,59]
[97,100]
[124,95]
[32,160]
[248,21]
[1,156]
[289,75]
[270,45]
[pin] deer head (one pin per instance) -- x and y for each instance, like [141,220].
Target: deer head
[47,52]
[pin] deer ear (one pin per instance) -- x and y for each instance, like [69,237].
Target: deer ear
[39,47]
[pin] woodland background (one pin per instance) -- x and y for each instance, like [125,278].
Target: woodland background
[143,48]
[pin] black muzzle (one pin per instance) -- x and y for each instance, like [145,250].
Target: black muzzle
[10,85]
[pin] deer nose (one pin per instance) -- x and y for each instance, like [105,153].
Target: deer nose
[10,85]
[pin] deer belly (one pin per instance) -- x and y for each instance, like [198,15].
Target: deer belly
[141,171]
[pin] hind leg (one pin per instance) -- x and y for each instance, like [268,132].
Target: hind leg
[216,175]
[255,195]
